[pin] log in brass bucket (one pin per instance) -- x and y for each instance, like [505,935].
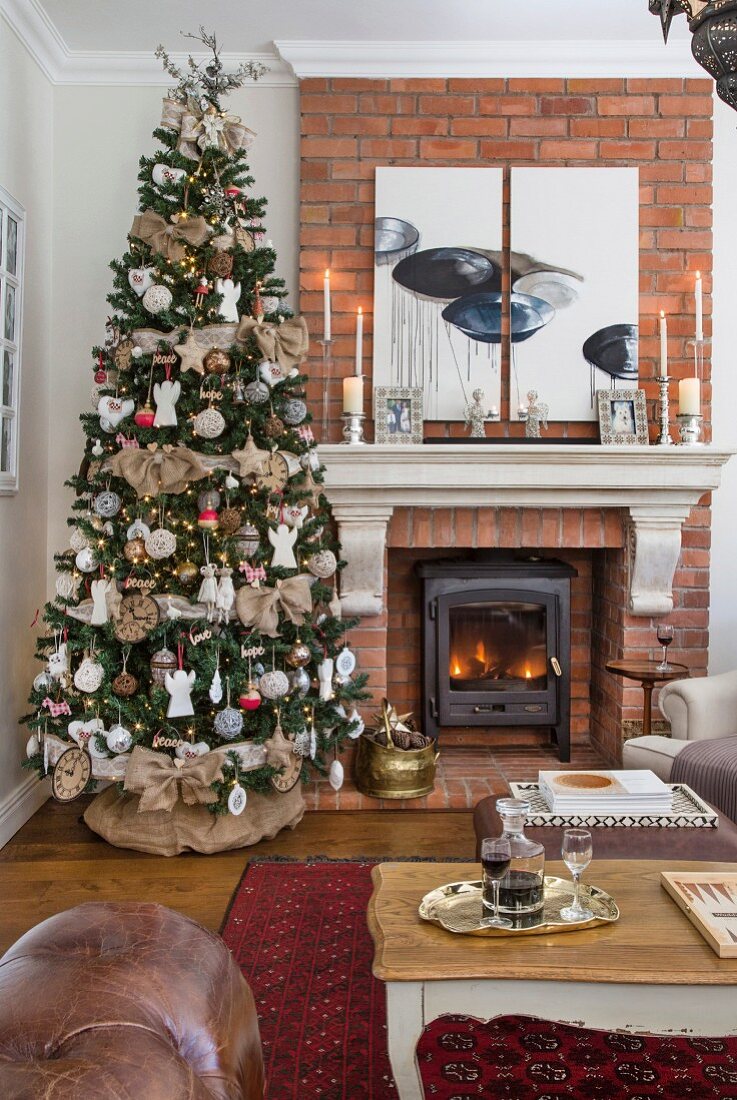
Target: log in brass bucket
[389,772]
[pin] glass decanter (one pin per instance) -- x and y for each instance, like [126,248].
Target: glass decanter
[521,891]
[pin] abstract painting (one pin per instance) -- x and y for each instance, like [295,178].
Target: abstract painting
[437,285]
[575,285]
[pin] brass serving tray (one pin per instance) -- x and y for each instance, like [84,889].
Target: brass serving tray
[457,907]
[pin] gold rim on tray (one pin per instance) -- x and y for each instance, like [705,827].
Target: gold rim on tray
[457,907]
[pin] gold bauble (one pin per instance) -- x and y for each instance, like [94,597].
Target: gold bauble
[134,550]
[186,573]
[230,520]
[299,655]
[217,361]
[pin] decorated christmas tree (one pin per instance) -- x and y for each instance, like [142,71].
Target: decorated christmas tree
[196,614]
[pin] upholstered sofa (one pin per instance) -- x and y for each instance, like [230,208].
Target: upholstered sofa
[703,709]
[112,1001]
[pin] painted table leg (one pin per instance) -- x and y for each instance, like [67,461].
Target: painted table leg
[647,714]
[405,1023]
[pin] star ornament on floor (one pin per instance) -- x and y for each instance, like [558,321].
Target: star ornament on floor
[250,459]
[191,354]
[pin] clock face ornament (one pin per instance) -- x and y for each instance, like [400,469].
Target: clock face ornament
[289,775]
[71,774]
[275,473]
[139,615]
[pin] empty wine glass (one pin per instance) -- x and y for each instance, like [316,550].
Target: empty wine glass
[665,637]
[495,857]
[577,850]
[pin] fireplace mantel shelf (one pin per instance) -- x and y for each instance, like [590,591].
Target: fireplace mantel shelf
[656,486]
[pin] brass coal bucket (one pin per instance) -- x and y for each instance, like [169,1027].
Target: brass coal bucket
[384,771]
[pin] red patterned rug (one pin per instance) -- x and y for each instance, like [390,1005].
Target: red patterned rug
[521,1058]
[298,932]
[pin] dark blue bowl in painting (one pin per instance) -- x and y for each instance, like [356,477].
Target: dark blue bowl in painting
[447,273]
[479,316]
[614,350]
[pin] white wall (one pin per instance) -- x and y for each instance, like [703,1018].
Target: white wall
[723,618]
[26,163]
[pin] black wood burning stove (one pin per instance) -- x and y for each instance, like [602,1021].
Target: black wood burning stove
[497,644]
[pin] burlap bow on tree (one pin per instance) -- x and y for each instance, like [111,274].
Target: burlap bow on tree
[161,781]
[166,237]
[151,472]
[199,130]
[286,344]
[259,607]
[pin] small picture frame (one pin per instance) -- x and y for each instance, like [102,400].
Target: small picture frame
[397,415]
[622,417]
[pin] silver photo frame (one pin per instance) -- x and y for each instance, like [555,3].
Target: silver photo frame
[622,417]
[398,415]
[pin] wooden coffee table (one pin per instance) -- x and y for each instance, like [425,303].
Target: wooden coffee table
[648,675]
[584,978]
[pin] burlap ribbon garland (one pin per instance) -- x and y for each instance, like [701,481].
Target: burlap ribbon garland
[200,130]
[286,344]
[150,473]
[168,238]
[161,781]
[259,607]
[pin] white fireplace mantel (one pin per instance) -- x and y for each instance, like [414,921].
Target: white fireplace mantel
[656,487]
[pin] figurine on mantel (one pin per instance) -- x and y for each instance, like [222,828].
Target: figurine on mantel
[537,416]
[476,415]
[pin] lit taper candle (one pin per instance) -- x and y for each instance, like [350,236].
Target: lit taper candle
[699,296]
[663,345]
[327,325]
[359,342]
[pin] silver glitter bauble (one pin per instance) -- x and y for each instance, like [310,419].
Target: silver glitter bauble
[86,560]
[209,423]
[43,682]
[208,500]
[78,541]
[257,392]
[157,298]
[228,723]
[322,564]
[300,681]
[163,661]
[138,530]
[273,685]
[247,540]
[161,544]
[294,411]
[107,504]
[302,743]
[119,739]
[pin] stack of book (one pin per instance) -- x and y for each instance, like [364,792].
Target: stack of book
[601,792]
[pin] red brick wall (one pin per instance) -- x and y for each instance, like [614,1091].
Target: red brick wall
[352,126]
[663,127]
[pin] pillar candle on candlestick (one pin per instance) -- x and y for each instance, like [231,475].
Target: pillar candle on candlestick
[663,345]
[327,323]
[353,394]
[689,397]
[698,294]
[359,342]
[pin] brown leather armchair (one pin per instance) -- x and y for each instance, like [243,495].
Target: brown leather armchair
[109,1001]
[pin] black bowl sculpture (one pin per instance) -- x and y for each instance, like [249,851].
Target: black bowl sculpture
[479,316]
[447,273]
[394,239]
[613,350]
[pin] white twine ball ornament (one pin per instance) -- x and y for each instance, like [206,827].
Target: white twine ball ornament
[294,411]
[273,685]
[78,540]
[322,564]
[209,423]
[107,504]
[157,298]
[229,721]
[89,675]
[161,544]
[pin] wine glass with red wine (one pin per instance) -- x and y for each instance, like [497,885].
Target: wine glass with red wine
[495,858]
[665,637]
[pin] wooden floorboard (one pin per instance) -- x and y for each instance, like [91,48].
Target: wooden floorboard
[54,862]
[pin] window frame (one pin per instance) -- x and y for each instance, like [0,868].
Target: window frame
[10,207]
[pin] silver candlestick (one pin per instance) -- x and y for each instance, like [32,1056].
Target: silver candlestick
[689,426]
[353,429]
[664,439]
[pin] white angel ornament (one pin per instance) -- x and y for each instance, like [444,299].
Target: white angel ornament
[99,590]
[231,293]
[283,540]
[166,395]
[179,685]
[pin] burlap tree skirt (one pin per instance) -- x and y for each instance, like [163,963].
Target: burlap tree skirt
[115,817]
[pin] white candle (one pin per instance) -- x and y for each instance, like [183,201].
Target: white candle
[359,343]
[699,307]
[663,345]
[327,329]
[689,397]
[353,394]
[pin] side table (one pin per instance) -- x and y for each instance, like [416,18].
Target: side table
[648,674]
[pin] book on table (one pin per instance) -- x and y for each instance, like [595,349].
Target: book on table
[709,900]
[603,791]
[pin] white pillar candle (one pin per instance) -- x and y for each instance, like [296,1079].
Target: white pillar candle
[663,345]
[327,325]
[353,394]
[359,343]
[698,294]
[689,397]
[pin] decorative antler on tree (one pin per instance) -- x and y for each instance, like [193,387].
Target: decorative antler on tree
[206,79]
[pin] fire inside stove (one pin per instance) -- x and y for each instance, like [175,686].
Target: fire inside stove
[498,647]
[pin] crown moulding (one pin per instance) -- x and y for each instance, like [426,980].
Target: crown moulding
[293,60]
